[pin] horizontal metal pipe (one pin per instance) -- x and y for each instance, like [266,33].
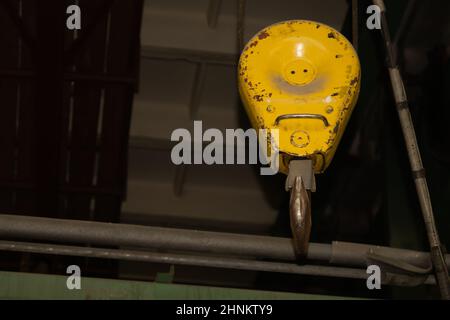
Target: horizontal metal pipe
[192,260]
[152,52]
[111,234]
[356,254]
[263,247]
[70,76]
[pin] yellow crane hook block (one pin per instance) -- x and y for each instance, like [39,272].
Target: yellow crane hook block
[302,77]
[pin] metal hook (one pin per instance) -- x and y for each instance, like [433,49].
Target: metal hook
[300,215]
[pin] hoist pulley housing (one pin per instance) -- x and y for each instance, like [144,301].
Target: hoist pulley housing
[303,78]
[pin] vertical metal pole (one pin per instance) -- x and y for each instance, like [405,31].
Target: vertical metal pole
[240,25]
[418,172]
[180,176]
[197,88]
[213,12]
[355,24]
[49,99]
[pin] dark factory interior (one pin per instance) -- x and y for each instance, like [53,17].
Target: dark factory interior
[87,180]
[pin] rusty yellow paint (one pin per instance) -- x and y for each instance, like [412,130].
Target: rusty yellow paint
[302,77]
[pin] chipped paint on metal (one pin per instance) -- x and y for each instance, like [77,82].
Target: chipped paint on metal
[290,68]
[263,34]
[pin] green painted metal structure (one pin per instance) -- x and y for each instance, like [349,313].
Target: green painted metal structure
[19,285]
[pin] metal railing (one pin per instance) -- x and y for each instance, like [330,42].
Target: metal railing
[212,249]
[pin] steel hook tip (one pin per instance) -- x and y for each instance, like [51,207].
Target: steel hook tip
[300,216]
